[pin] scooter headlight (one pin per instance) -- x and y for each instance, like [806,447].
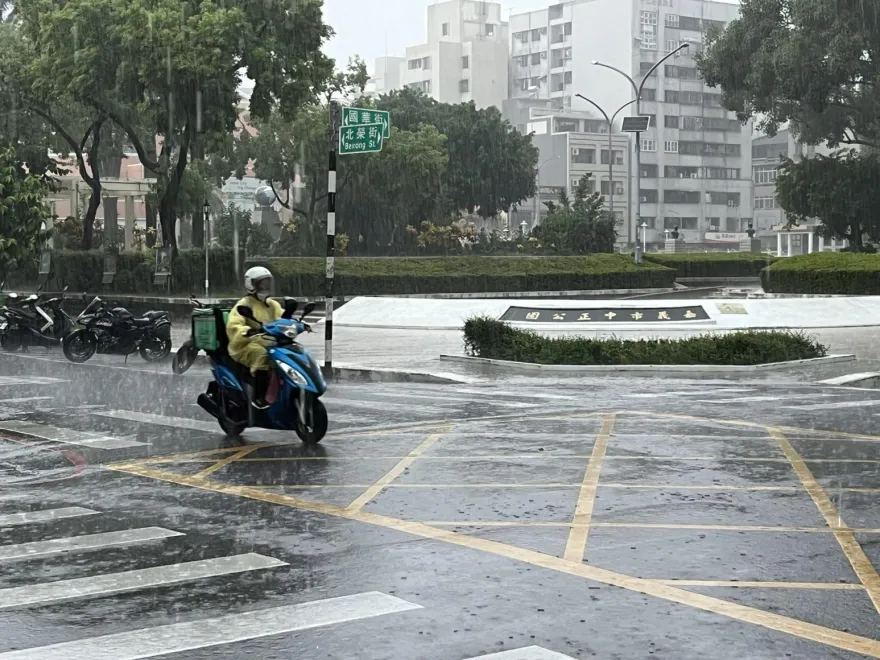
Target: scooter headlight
[291,332]
[293,374]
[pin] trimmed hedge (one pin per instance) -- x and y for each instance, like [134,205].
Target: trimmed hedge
[295,276]
[404,276]
[713,264]
[488,338]
[851,273]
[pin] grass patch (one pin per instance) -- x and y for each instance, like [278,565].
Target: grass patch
[488,338]
[843,273]
[713,264]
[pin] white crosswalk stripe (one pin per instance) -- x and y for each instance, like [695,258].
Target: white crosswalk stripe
[45,515]
[37,549]
[527,653]
[205,633]
[69,436]
[30,380]
[114,583]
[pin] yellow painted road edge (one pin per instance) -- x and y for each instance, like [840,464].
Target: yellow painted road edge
[576,545]
[219,465]
[802,629]
[856,556]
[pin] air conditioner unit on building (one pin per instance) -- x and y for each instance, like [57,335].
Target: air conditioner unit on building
[575,152]
[730,203]
[643,199]
[681,176]
[693,176]
[543,55]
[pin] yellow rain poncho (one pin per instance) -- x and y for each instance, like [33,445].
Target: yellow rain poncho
[251,351]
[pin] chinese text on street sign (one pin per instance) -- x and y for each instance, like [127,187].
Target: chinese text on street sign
[364,116]
[360,139]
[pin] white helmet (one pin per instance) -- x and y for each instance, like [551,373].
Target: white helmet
[258,282]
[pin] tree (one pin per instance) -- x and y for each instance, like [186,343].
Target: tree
[582,226]
[840,190]
[170,68]
[23,213]
[226,221]
[812,63]
[491,165]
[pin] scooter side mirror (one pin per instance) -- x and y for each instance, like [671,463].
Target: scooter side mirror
[308,309]
[290,306]
[64,290]
[245,311]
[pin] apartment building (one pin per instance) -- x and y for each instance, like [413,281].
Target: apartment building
[573,144]
[464,58]
[696,170]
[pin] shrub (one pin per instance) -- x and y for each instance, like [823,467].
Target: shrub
[487,338]
[402,276]
[713,264]
[842,273]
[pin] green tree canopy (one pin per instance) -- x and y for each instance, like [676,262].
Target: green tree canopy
[23,212]
[841,190]
[812,63]
[580,226]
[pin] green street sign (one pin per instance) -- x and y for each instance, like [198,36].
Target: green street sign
[365,117]
[360,139]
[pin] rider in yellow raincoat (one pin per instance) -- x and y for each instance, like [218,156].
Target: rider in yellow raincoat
[251,351]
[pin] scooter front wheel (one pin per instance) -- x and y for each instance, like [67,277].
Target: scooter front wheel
[315,428]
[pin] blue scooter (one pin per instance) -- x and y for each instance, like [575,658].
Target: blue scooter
[298,406]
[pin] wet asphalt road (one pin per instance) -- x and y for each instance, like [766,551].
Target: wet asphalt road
[615,518]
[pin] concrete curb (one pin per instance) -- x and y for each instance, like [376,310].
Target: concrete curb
[649,369]
[867,380]
[523,294]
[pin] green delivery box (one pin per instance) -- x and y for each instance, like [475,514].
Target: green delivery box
[204,330]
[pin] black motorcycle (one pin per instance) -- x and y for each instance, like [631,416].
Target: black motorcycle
[116,331]
[32,321]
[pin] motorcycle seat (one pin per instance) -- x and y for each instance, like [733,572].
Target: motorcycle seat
[154,315]
[142,322]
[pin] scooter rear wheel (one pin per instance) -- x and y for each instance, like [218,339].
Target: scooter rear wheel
[315,428]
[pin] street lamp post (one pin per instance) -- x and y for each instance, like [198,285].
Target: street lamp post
[638,90]
[206,208]
[610,123]
[644,226]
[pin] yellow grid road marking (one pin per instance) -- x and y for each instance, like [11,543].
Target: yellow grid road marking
[863,567]
[219,465]
[802,629]
[583,513]
[625,525]
[394,472]
[826,586]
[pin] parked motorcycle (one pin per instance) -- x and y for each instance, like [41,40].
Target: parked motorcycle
[32,321]
[187,353]
[116,331]
[300,384]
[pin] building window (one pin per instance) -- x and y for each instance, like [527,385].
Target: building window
[649,171]
[682,72]
[681,223]
[465,62]
[723,198]
[445,29]
[649,18]
[649,38]
[651,222]
[689,23]
[591,185]
[766,203]
[536,58]
[567,77]
[671,96]
[648,196]
[671,121]
[426,63]
[566,29]
[712,100]
[649,94]
[765,174]
[672,44]
[691,98]
[673,172]
[618,157]
[583,156]
[773,150]
[490,29]
[523,37]
[556,12]
[415,64]
[644,67]
[681,196]
[464,86]
[671,20]
[732,224]
[671,147]
[618,187]
[536,35]
[649,145]
[692,123]
[652,120]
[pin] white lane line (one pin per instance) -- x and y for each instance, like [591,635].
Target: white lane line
[69,436]
[382,405]
[228,629]
[86,542]
[525,394]
[526,653]
[446,400]
[834,406]
[701,392]
[161,420]
[26,399]
[30,380]
[44,515]
[742,399]
[114,583]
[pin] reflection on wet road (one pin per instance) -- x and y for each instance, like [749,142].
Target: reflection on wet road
[522,520]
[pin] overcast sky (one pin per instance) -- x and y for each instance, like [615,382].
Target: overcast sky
[373,28]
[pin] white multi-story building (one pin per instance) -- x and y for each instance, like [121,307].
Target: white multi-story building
[465,57]
[696,170]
